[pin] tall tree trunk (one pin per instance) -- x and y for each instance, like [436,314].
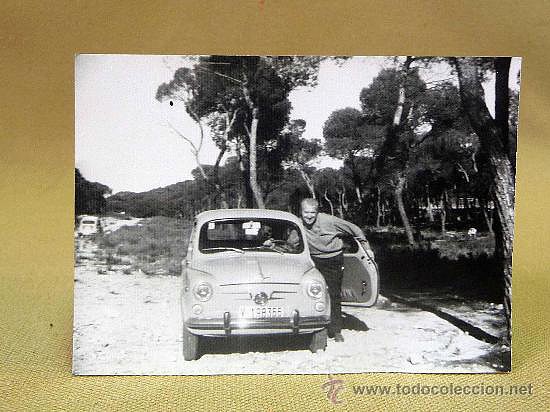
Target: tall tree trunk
[429,207]
[394,137]
[245,178]
[344,201]
[358,194]
[329,202]
[309,183]
[253,136]
[491,141]
[393,149]
[217,182]
[502,100]
[340,204]
[443,208]
[398,114]
[355,177]
[223,199]
[258,196]
[212,182]
[378,212]
[230,121]
[401,180]
[488,221]
[387,216]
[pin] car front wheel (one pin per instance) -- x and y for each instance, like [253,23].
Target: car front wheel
[318,341]
[190,345]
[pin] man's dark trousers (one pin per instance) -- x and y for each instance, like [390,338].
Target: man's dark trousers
[332,270]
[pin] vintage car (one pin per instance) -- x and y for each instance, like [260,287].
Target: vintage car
[249,272]
[88,225]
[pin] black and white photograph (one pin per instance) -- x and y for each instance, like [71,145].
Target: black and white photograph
[293,214]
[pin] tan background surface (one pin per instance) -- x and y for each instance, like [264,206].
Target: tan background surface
[37,43]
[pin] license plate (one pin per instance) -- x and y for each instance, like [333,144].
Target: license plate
[261,312]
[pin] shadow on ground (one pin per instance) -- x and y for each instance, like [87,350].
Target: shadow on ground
[353,323]
[499,358]
[474,275]
[246,344]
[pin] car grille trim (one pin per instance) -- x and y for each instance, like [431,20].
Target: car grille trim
[259,283]
[294,323]
[248,293]
[248,296]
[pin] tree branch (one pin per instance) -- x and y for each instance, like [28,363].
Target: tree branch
[463,171]
[194,149]
[221,75]
[474,163]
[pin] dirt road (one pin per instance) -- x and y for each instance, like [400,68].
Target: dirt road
[129,323]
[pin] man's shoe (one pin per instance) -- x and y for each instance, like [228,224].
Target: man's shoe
[338,337]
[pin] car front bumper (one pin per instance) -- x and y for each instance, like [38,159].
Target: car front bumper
[295,324]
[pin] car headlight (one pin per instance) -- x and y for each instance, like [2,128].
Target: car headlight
[203,291]
[315,289]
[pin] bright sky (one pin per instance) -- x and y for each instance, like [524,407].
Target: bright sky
[123,138]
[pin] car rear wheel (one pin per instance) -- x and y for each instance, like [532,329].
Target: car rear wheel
[318,341]
[190,345]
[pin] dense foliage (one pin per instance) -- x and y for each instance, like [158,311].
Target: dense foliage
[435,152]
[89,196]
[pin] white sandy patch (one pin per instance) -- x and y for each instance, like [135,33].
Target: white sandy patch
[110,224]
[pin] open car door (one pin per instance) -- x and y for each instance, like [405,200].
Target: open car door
[361,278]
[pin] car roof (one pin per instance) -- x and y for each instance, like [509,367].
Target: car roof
[245,213]
[88,217]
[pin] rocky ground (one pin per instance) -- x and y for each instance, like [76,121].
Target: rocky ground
[128,322]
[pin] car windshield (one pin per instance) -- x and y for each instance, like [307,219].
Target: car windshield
[244,235]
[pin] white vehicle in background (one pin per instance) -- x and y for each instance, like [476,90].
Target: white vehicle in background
[88,225]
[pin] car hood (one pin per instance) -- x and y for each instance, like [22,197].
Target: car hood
[255,268]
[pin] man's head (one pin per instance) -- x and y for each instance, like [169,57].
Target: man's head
[309,209]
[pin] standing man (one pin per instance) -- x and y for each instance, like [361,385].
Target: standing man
[326,247]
